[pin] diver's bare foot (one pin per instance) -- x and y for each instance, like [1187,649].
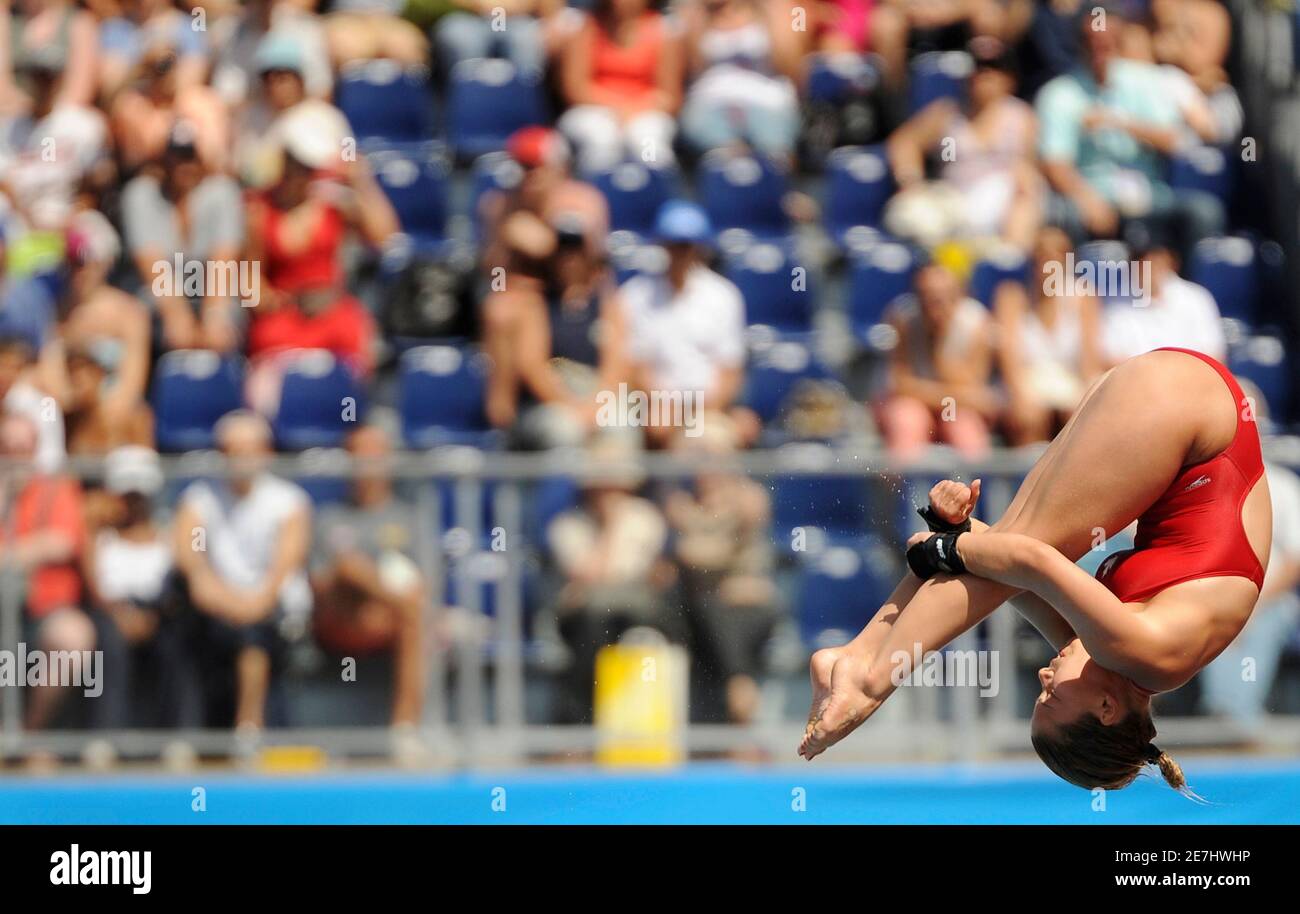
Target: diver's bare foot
[819,670]
[845,706]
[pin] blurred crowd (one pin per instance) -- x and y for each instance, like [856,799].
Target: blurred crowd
[304,189]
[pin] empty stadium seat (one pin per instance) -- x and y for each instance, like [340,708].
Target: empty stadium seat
[994,270]
[192,389]
[834,77]
[935,75]
[487,100]
[836,505]
[1229,269]
[320,402]
[1204,168]
[775,287]
[1262,360]
[441,397]
[775,367]
[858,184]
[635,193]
[840,587]
[383,100]
[415,177]
[877,276]
[741,190]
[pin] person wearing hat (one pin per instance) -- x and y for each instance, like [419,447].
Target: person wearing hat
[986,150]
[157,238]
[686,326]
[128,569]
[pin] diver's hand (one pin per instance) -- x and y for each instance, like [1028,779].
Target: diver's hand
[954,501]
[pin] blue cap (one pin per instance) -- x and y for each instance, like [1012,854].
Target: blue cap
[681,222]
[279,52]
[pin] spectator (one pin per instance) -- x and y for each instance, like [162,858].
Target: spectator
[241,38]
[241,545]
[143,26]
[686,327]
[1048,345]
[609,552]
[21,393]
[744,62]
[296,230]
[1176,312]
[369,593]
[263,121]
[986,148]
[622,76]
[196,215]
[475,29]
[106,337]
[52,35]
[552,351]
[854,27]
[1107,130]
[41,541]
[145,113]
[940,369]
[1192,41]
[723,549]
[546,190]
[371,29]
[128,567]
[49,151]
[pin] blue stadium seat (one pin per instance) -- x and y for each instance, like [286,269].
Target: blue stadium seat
[1204,168]
[487,100]
[323,476]
[1262,360]
[635,193]
[1229,268]
[740,190]
[320,402]
[858,184]
[832,78]
[836,505]
[840,587]
[775,287]
[415,177]
[192,389]
[441,394]
[382,100]
[877,275]
[937,74]
[493,171]
[992,271]
[775,367]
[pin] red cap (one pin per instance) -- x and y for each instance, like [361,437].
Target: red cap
[533,146]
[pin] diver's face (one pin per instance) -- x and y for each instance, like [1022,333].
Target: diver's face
[1073,685]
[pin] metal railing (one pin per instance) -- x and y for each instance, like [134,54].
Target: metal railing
[920,723]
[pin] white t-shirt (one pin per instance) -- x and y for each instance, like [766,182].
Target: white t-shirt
[127,570]
[1183,314]
[242,535]
[685,337]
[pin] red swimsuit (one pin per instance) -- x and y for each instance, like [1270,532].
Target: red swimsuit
[1194,529]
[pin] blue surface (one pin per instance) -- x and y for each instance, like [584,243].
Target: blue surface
[1239,792]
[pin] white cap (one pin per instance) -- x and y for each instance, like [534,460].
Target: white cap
[132,469]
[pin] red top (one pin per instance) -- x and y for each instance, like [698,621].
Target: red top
[47,504]
[312,262]
[626,75]
[1194,529]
